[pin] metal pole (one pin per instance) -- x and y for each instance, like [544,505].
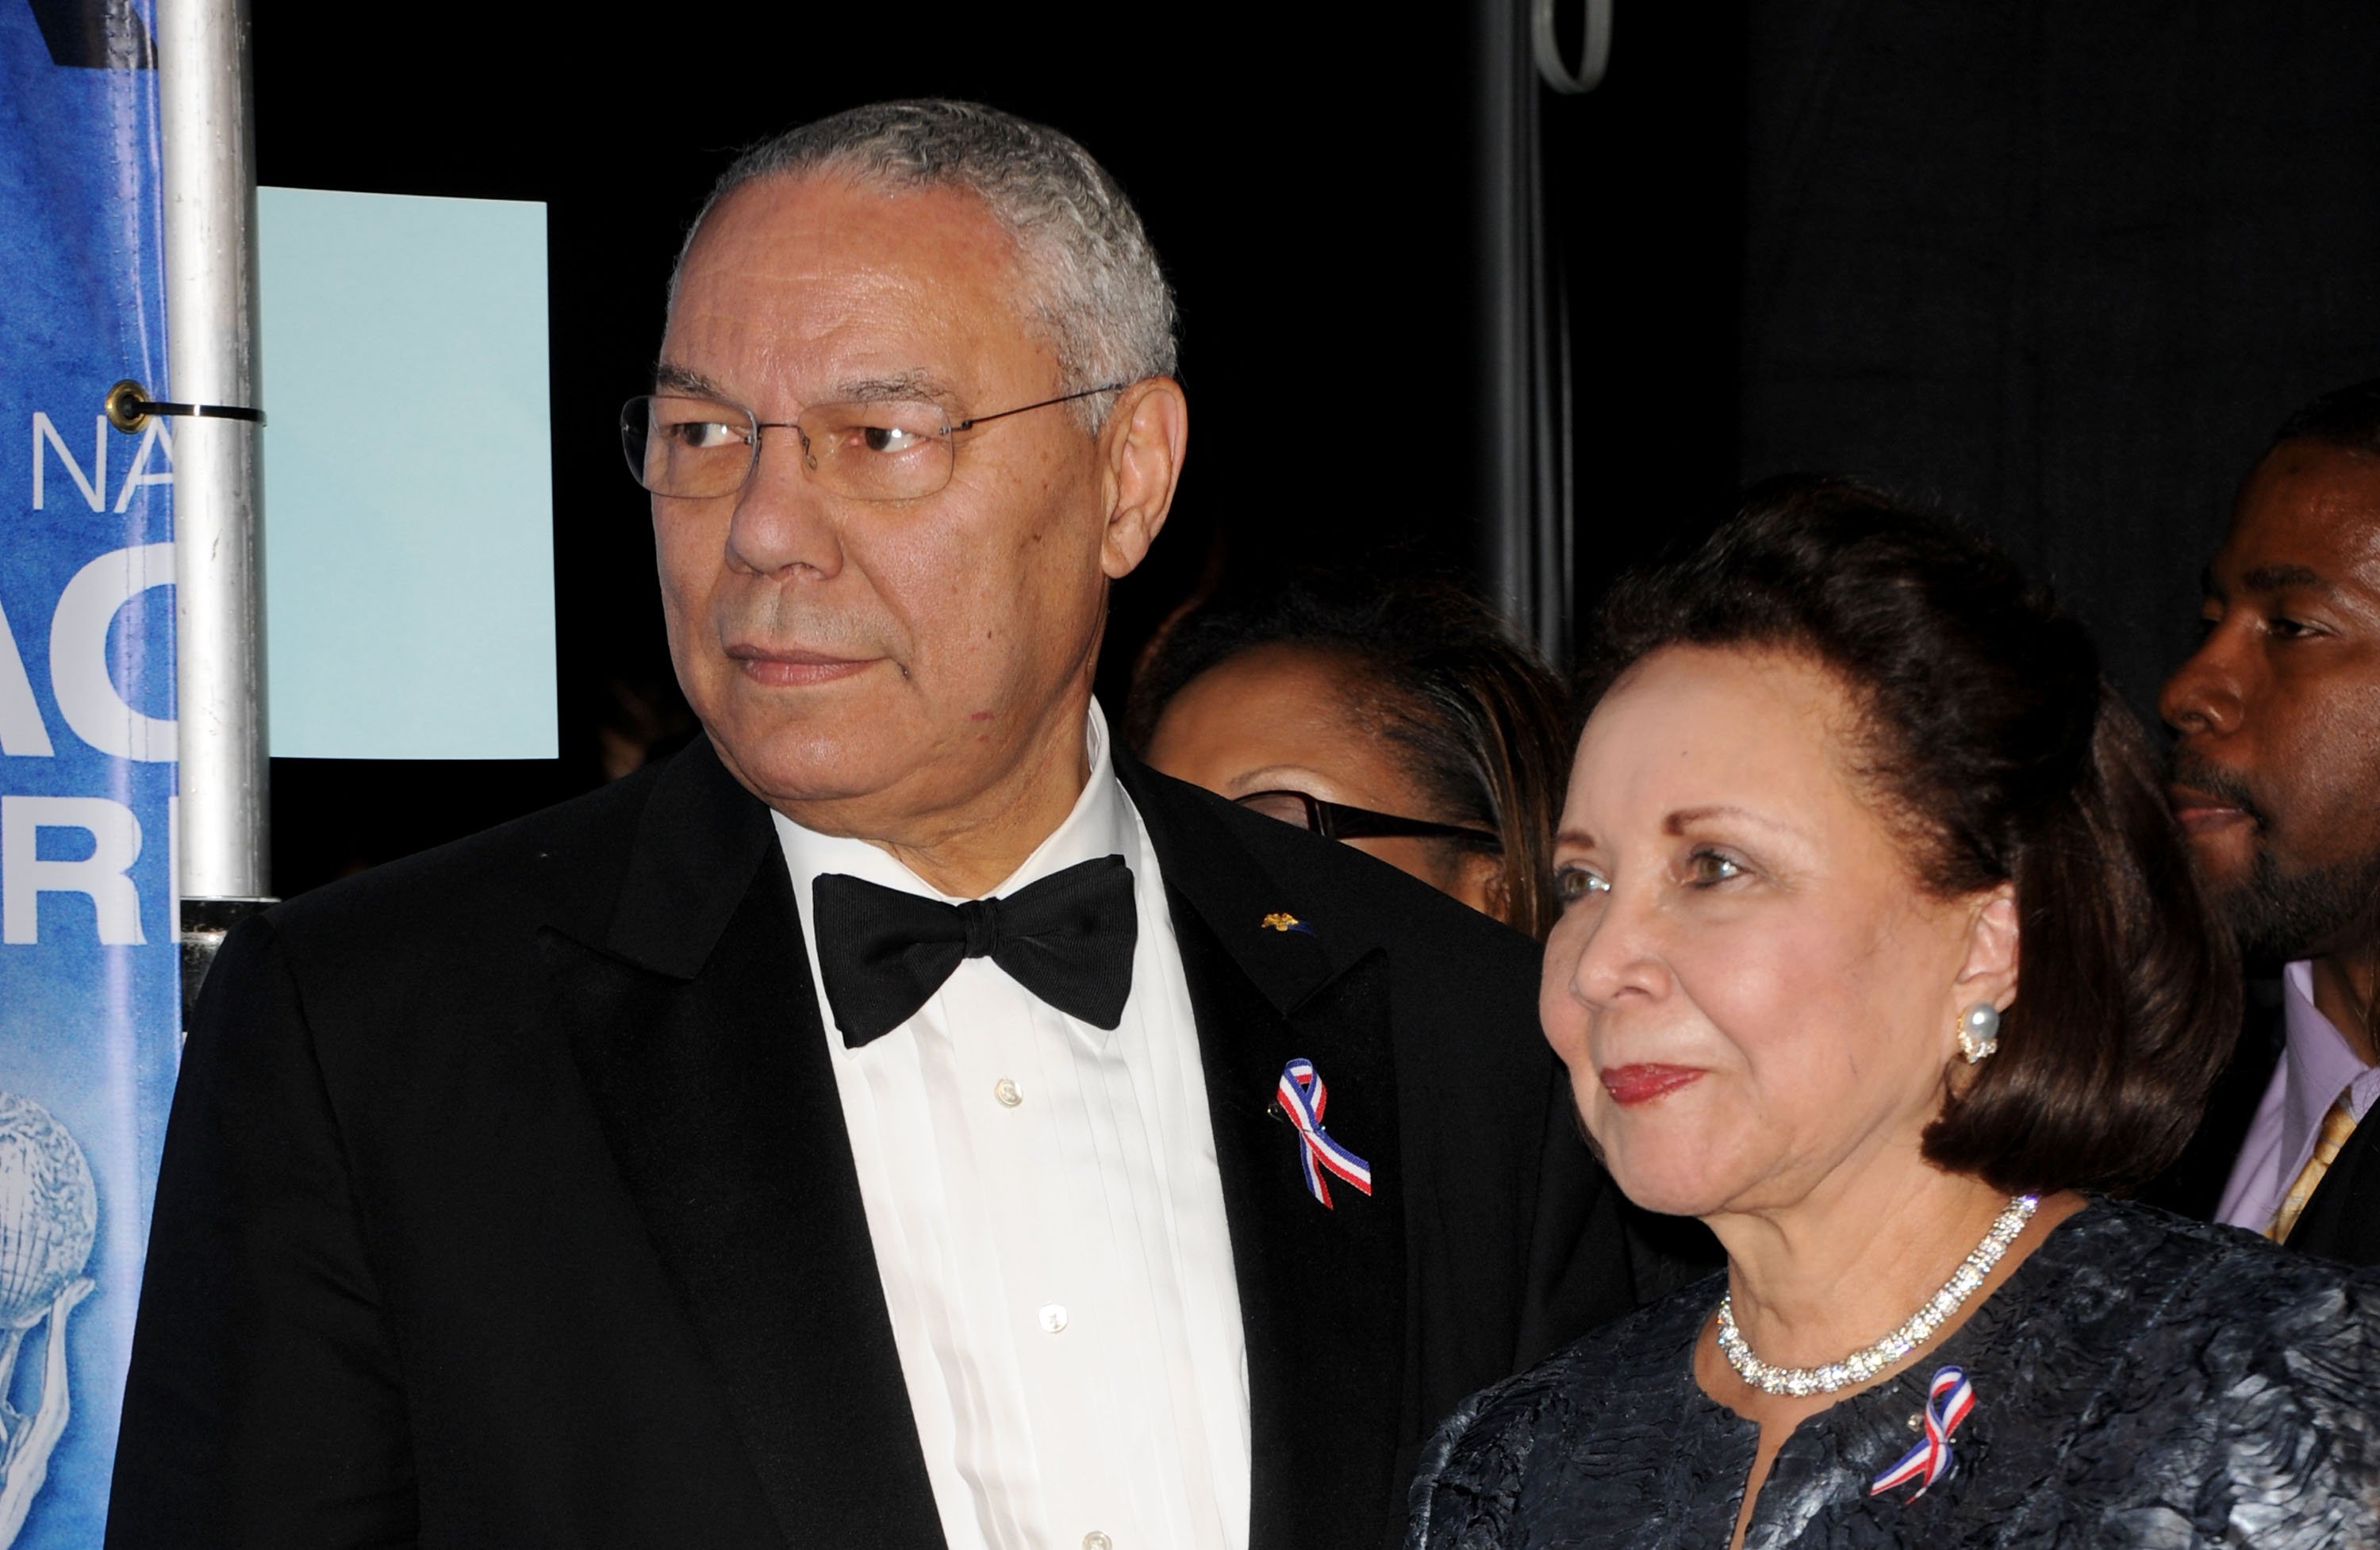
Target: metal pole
[210,219]
[1526,491]
[1505,94]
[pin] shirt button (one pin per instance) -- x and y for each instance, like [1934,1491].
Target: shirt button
[1005,1091]
[1097,1541]
[1053,1318]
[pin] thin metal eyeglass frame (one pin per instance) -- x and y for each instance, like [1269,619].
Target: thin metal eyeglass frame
[759,425]
[1336,820]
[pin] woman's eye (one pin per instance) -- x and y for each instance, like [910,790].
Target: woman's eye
[1574,883]
[1709,869]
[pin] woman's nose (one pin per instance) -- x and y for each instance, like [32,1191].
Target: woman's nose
[1615,954]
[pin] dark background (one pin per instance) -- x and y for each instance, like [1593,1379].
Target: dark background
[2058,267]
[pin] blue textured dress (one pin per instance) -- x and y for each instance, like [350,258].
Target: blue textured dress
[2140,1380]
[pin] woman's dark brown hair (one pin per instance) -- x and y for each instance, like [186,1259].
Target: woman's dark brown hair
[1477,719]
[1995,748]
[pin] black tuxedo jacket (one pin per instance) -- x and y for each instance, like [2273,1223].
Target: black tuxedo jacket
[508,1201]
[2342,1220]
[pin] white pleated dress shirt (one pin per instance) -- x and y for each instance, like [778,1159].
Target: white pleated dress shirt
[1049,1227]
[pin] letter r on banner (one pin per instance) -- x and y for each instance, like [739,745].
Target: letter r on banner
[101,876]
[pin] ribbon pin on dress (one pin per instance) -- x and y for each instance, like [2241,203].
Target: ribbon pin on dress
[1302,1100]
[1949,1399]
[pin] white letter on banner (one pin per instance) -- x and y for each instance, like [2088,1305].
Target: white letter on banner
[87,696]
[21,732]
[155,434]
[24,876]
[94,488]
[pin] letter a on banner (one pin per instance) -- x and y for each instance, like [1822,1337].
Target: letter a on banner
[89,1002]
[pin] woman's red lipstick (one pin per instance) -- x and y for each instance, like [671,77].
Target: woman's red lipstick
[1633,1084]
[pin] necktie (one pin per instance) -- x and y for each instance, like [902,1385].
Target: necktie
[1068,939]
[2337,1124]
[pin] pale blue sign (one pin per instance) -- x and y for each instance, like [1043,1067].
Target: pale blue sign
[408,495]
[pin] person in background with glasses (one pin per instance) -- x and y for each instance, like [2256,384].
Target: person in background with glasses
[901,1119]
[1393,714]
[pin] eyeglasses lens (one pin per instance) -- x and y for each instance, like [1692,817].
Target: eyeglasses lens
[694,448]
[687,446]
[1289,806]
[879,452]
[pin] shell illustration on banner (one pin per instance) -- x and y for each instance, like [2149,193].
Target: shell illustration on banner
[49,1216]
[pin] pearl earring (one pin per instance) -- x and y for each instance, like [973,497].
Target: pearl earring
[1979,1031]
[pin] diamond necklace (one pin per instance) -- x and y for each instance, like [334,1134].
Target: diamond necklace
[1865,1364]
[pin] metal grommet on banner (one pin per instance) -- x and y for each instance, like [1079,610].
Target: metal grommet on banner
[129,407]
[122,403]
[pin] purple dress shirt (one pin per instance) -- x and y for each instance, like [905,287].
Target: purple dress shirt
[2316,1065]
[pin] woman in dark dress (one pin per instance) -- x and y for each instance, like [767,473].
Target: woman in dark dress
[1879,954]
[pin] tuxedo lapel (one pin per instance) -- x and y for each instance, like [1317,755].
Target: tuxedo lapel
[1321,1289]
[696,1031]
[1323,1295]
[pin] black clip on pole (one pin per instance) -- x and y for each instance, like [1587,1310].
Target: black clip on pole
[129,407]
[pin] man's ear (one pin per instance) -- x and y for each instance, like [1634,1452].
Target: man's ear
[1143,444]
[1989,973]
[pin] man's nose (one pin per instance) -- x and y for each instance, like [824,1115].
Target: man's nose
[2204,696]
[784,520]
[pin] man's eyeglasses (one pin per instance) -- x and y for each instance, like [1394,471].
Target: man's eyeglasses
[693,448]
[1336,820]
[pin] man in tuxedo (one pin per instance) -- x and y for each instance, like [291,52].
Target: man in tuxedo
[2277,780]
[902,1119]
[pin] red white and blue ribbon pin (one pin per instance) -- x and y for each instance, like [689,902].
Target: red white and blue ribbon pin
[1949,1399]
[1302,1100]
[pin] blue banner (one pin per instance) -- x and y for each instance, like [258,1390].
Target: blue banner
[89,1008]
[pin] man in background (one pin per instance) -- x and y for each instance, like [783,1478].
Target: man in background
[900,1119]
[2276,782]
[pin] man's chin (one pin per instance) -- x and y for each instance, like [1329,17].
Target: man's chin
[2278,916]
[797,767]
[2225,860]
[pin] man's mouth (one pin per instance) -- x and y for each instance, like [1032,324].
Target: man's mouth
[794,667]
[2202,812]
[2205,800]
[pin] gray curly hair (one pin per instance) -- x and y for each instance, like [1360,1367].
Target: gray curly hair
[1092,279]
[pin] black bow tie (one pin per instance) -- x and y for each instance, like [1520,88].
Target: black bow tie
[1068,939]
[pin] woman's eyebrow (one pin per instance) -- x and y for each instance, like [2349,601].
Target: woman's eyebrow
[1677,822]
